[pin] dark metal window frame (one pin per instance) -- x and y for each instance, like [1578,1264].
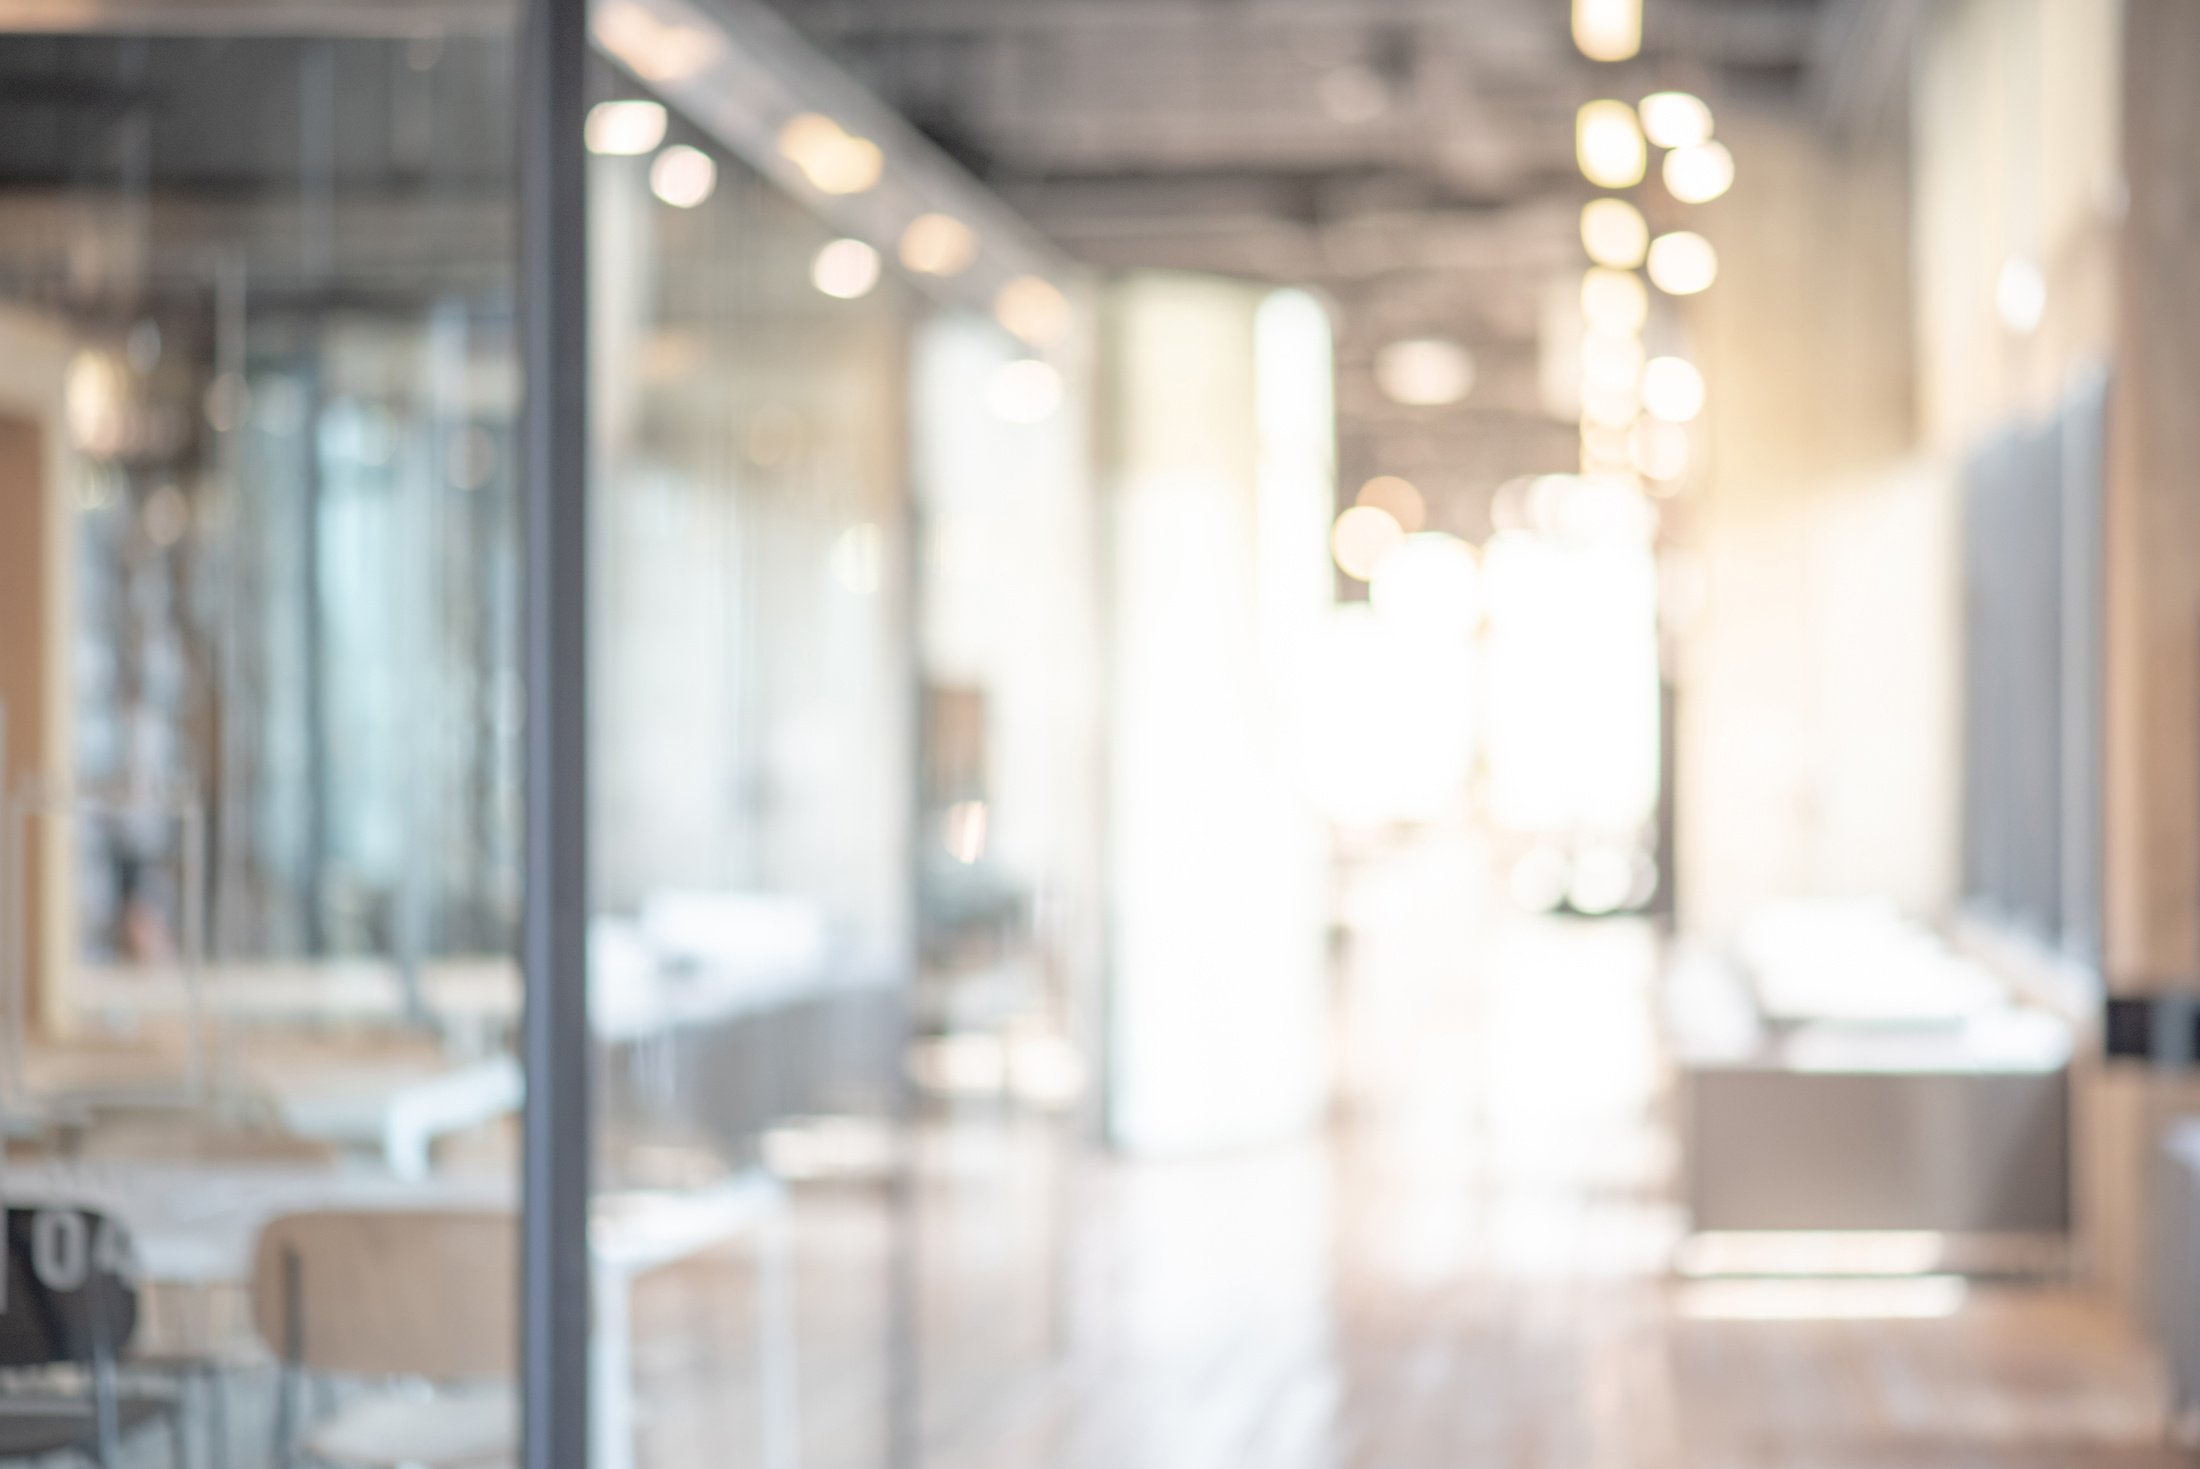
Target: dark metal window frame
[557,1126]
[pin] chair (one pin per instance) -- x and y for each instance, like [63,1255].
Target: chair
[423,1296]
[70,1301]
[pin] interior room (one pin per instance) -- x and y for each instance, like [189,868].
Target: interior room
[1053,734]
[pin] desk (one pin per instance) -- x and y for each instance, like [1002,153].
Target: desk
[389,1100]
[197,1227]
[397,1112]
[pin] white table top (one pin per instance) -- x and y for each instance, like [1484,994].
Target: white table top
[198,1224]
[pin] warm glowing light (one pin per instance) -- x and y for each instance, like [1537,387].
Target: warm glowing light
[1659,449]
[966,822]
[1672,389]
[1675,119]
[1424,372]
[1608,30]
[1397,496]
[682,176]
[655,50]
[1682,263]
[1363,539]
[1610,406]
[1609,508]
[834,160]
[1608,144]
[938,244]
[1033,308]
[2020,296]
[95,403]
[1611,362]
[1613,232]
[845,269]
[1430,586]
[1699,173]
[1613,302]
[1603,449]
[1024,391]
[624,129]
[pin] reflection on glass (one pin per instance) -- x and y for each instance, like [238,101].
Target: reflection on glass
[752,735]
[256,665]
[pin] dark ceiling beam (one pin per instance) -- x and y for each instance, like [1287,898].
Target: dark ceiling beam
[1744,32]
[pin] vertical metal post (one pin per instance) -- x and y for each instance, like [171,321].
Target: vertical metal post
[553,314]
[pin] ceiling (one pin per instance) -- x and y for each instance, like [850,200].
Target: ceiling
[1411,159]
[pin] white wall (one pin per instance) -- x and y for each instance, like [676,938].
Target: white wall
[1821,682]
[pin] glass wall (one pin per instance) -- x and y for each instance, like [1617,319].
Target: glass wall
[257,397]
[751,744]
[841,702]
[1003,1013]
[261,577]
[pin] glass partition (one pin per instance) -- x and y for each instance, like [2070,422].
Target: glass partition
[841,763]
[257,396]
[751,749]
[261,722]
[1006,880]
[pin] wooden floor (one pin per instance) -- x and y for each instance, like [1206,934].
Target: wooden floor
[1473,1271]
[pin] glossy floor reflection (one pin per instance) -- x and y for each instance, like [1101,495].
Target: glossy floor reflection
[1472,1269]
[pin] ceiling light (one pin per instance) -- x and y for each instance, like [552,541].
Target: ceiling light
[1682,263]
[1363,539]
[1613,232]
[1672,389]
[834,160]
[1610,407]
[1659,449]
[624,129]
[1608,144]
[655,50]
[845,269]
[1424,372]
[1675,119]
[1699,173]
[1397,496]
[682,176]
[1608,30]
[1613,302]
[1611,362]
[938,244]
[1032,308]
[1603,450]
